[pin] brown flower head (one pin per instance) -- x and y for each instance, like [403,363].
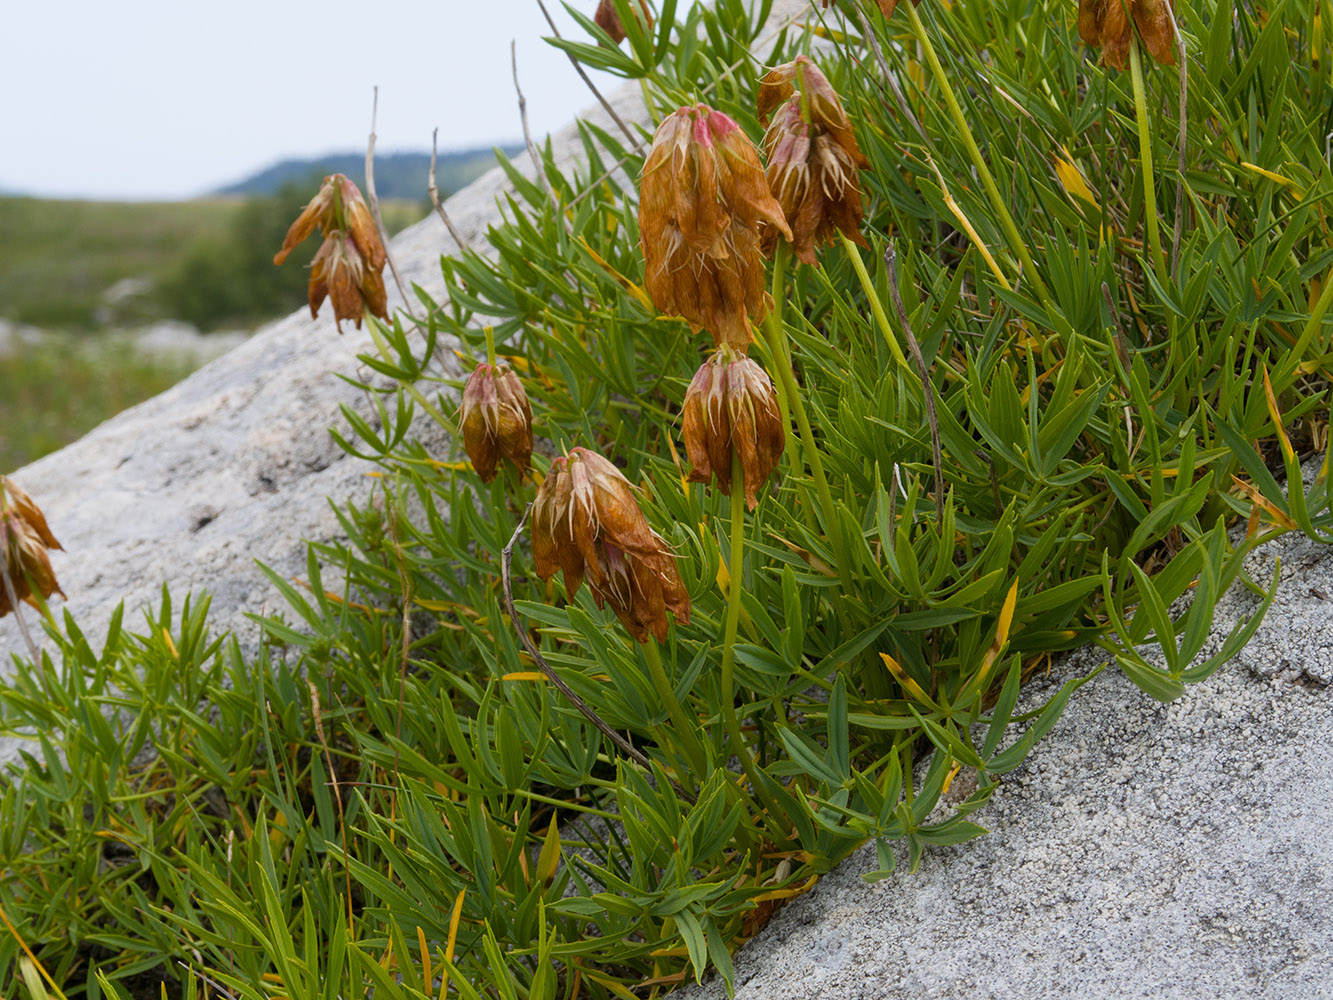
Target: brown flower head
[731,409]
[608,20]
[341,273]
[701,199]
[813,158]
[586,521]
[1107,23]
[349,266]
[24,541]
[496,420]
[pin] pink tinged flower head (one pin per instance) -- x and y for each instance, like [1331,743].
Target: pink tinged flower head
[813,158]
[702,198]
[731,410]
[496,420]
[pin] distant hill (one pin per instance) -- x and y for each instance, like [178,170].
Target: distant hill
[397,175]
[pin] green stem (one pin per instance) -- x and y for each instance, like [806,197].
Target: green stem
[490,346]
[1145,155]
[777,348]
[780,258]
[735,573]
[776,336]
[1016,243]
[685,726]
[876,307]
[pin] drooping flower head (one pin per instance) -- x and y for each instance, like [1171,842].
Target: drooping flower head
[348,269]
[701,198]
[608,20]
[496,420]
[586,521]
[1107,23]
[731,408]
[813,158]
[24,541]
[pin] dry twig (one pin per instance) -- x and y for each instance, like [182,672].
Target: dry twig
[606,106]
[434,192]
[18,611]
[1181,140]
[867,32]
[890,258]
[374,202]
[527,133]
[506,584]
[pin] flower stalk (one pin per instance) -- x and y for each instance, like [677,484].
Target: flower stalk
[684,737]
[727,681]
[1145,155]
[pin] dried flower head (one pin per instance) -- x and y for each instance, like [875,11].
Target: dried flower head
[608,20]
[731,408]
[348,269]
[586,521]
[1108,23]
[701,199]
[496,420]
[813,158]
[24,541]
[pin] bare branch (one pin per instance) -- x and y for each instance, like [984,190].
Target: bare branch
[890,80]
[527,133]
[506,558]
[591,86]
[1181,140]
[890,258]
[434,192]
[18,610]
[374,201]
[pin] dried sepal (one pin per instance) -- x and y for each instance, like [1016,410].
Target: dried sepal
[813,158]
[702,197]
[731,408]
[587,523]
[1110,24]
[496,420]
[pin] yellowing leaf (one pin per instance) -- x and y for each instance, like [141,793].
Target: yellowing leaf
[1271,400]
[794,891]
[635,290]
[910,686]
[1072,180]
[548,861]
[812,560]
[1284,181]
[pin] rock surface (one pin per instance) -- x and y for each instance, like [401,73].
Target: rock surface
[1144,850]
[1173,851]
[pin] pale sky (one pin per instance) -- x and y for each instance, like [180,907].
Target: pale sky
[164,99]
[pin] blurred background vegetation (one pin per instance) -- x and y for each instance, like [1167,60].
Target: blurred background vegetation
[76,270]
